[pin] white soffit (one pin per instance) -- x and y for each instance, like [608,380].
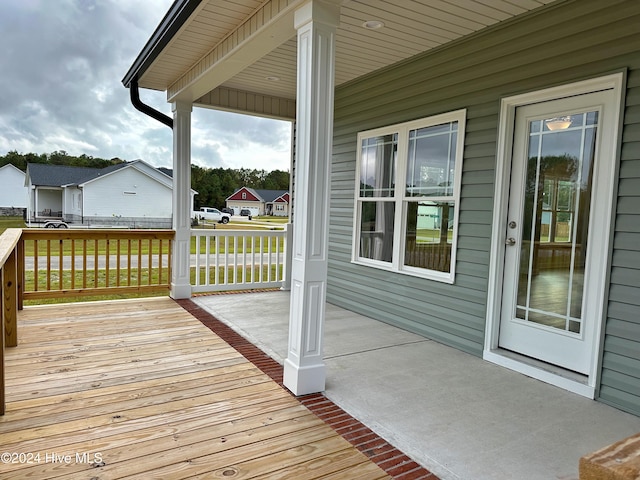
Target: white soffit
[214,48]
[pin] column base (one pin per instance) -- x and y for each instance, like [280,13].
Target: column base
[180,291]
[304,380]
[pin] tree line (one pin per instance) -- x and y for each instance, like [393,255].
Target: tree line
[213,185]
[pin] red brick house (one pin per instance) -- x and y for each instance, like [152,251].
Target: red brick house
[260,202]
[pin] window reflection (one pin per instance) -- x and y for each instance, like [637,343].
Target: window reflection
[432,160]
[378,165]
[376,230]
[429,235]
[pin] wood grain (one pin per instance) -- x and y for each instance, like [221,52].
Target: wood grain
[157,395]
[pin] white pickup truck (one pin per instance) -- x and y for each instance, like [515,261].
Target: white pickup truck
[210,213]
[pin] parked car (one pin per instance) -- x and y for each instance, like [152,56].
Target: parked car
[228,210]
[245,213]
[210,213]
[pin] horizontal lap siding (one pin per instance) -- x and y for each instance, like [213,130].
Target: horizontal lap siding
[620,381]
[566,42]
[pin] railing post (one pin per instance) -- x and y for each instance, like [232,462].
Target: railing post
[288,243]
[20,273]
[10,299]
[2,397]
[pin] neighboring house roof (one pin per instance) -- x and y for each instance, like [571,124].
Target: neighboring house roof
[45,175]
[266,196]
[282,198]
[167,171]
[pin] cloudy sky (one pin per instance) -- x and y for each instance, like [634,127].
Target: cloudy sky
[61,66]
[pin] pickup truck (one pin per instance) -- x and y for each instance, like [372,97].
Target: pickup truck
[213,214]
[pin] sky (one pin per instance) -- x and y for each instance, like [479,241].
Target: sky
[61,69]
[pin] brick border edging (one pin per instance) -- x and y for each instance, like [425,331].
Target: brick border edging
[395,463]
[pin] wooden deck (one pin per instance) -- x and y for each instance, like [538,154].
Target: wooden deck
[141,389]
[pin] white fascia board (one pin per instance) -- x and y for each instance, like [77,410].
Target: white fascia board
[233,61]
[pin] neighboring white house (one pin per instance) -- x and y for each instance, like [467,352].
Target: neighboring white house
[132,194]
[13,194]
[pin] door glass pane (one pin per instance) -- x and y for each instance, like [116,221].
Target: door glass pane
[555,221]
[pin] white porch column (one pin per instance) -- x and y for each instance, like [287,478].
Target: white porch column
[304,369]
[180,279]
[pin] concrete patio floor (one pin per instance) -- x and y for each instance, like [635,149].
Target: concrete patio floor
[455,414]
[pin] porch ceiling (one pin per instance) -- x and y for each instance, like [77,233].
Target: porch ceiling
[250,45]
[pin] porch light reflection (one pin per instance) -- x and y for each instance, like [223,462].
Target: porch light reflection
[558,123]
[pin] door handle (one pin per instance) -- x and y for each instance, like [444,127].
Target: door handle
[510,241]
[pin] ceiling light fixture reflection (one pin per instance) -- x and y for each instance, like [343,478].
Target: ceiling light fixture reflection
[558,123]
[272,78]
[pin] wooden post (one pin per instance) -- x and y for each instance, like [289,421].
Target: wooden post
[2,399]
[20,273]
[10,300]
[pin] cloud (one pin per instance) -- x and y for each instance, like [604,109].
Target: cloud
[62,67]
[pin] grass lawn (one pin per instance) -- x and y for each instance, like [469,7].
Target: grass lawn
[11,222]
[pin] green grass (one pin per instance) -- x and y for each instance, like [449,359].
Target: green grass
[93,280]
[11,222]
[243,274]
[78,247]
[230,247]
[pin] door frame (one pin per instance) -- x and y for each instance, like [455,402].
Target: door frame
[492,352]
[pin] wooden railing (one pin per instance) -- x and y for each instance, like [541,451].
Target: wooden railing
[60,263]
[9,297]
[238,259]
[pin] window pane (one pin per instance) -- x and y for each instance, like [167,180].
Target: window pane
[378,166]
[376,230]
[432,160]
[429,235]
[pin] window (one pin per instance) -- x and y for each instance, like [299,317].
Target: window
[244,195]
[410,226]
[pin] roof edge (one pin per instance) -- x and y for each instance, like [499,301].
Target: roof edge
[174,19]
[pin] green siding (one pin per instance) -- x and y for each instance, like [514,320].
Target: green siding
[562,43]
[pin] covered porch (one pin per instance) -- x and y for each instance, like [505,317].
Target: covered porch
[120,378]
[455,414]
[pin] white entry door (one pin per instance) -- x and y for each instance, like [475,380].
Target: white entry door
[557,229]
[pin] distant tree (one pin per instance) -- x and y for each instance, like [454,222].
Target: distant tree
[276,180]
[61,157]
[214,185]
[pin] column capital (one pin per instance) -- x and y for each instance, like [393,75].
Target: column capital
[326,12]
[181,107]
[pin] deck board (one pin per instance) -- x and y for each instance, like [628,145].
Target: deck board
[157,395]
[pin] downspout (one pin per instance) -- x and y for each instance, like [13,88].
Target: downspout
[146,109]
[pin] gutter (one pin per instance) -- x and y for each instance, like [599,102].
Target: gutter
[146,109]
[176,17]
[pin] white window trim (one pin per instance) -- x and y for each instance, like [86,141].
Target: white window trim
[400,201]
